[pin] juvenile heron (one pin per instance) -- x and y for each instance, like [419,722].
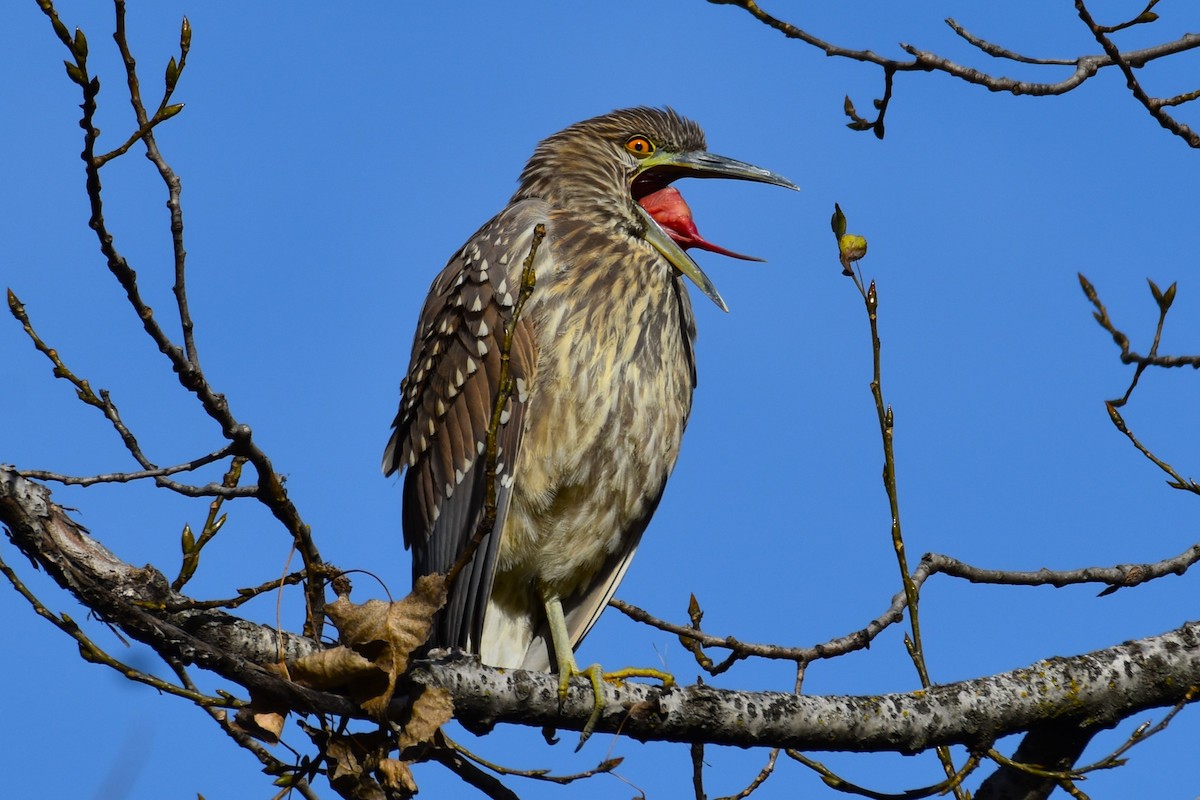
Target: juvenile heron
[602,367]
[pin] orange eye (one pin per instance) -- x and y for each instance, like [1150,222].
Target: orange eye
[640,146]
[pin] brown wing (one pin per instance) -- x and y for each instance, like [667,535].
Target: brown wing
[446,405]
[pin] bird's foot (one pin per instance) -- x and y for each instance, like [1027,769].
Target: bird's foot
[668,680]
[598,678]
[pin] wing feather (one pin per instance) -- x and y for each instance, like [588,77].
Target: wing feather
[446,407]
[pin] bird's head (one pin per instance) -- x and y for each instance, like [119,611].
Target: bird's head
[620,166]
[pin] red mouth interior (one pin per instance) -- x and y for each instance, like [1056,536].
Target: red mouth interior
[669,210]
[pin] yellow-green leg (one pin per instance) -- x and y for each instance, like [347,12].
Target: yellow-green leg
[564,655]
[565,658]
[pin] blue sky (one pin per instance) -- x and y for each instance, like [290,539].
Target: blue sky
[332,159]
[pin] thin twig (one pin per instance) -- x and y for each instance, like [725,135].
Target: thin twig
[93,653]
[1135,87]
[215,521]
[174,186]
[1164,299]
[1139,735]
[1086,66]
[1115,577]
[128,477]
[184,361]
[886,418]
[740,650]
[604,767]
[1129,356]
[244,595]
[759,779]
[271,765]
[996,51]
[953,782]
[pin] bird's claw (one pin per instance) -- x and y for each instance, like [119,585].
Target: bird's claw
[598,678]
[668,680]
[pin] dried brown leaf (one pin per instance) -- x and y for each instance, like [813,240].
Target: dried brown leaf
[385,634]
[350,759]
[262,719]
[331,668]
[397,776]
[400,627]
[346,757]
[430,711]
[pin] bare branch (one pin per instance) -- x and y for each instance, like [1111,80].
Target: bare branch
[174,186]
[1115,577]
[1108,685]
[996,51]
[759,779]
[1126,65]
[833,780]
[1086,66]
[1128,356]
[128,477]
[184,361]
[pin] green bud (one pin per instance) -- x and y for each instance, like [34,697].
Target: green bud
[838,221]
[75,73]
[1164,299]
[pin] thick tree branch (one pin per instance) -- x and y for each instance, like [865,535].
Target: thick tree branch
[1103,687]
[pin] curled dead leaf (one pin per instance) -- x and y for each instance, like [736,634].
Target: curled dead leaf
[329,669]
[397,776]
[377,640]
[430,711]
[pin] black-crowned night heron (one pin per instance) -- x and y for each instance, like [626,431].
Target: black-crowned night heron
[602,367]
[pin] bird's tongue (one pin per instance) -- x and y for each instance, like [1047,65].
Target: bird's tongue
[669,210]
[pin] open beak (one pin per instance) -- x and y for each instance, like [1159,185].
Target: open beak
[669,225]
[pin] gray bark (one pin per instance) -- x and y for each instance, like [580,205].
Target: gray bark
[1063,698]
